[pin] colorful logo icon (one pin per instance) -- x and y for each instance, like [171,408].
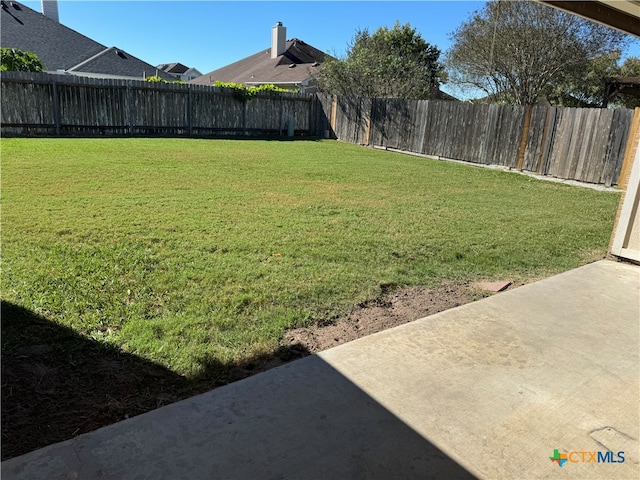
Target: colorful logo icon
[559,458]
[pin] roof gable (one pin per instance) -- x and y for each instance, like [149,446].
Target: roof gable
[57,46]
[175,68]
[298,63]
[299,52]
[61,48]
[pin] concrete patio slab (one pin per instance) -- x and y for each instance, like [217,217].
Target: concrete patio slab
[493,389]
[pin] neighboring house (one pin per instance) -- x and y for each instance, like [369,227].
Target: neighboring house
[290,64]
[438,94]
[179,71]
[616,85]
[63,50]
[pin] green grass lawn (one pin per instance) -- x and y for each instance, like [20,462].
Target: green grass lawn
[190,251]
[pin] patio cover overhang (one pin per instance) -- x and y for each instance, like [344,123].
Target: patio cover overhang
[623,15]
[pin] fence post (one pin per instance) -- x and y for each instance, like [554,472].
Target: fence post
[190,110]
[56,104]
[130,109]
[543,139]
[334,112]
[244,117]
[525,137]
[281,112]
[311,116]
[367,131]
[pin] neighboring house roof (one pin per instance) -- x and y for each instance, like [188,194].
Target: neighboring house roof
[627,85]
[175,68]
[297,64]
[178,70]
[440,95]
[61,48]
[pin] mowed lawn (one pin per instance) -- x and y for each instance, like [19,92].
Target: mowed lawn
[189,251]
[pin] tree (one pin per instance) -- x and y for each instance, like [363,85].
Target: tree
[15,60]
[589,88]
[522,51]
[394,62]
[630,68]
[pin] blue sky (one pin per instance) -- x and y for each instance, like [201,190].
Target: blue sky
[210,34]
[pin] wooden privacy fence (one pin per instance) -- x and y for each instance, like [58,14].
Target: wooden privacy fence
[581,144]
[46,104]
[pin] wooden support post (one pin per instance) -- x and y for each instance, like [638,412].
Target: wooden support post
[543,140]
[281,120]
[525,137]
[244,117]
[190,110]
[311,117]
[56,105]
[629,153]
[130,109]
[631,156]
[367,131]
[334,112]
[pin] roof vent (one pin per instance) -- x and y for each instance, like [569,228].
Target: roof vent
[293,65]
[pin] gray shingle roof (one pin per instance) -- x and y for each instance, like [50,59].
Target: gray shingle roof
[261,68]
[175,68]
[61,48]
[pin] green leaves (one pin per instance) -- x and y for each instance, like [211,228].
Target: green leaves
[155,79]
[15,60]
[159,79]
[394,62]
[242,93]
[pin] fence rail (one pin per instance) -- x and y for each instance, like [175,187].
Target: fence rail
[580,144]
[45,104]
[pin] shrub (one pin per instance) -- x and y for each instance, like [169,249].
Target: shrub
[155,79]
[15,60]
[243,93]
[159,79]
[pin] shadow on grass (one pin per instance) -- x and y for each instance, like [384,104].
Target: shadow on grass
[306,419]
[57,384]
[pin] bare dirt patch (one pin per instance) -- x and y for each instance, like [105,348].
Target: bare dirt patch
[393,309]
[57,384]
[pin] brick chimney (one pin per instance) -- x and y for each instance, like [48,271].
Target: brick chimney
[278,40]
[50,9]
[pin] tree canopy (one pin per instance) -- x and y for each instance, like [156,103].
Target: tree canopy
[520,52]
[394,62]
[14,60]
